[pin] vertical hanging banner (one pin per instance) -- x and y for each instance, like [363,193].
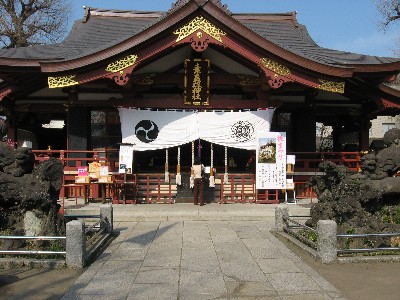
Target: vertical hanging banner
[197,81]
[125,159]
[271,161]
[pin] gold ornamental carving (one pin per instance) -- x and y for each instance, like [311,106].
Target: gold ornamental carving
[61,81]
[22,107]
[144,79]
[122,64]
[199,23]
[275,67]
[331,86]
[247,80]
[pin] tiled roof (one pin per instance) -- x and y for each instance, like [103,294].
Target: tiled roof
[103,29]
[100,32]
[295,38]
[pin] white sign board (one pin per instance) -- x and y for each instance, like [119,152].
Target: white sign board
[271,161]
[125,159]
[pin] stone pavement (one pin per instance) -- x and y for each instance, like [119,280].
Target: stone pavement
[199,259]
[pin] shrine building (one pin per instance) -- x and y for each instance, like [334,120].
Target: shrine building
[198,67]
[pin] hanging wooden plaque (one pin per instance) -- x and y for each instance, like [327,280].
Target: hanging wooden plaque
[197,82]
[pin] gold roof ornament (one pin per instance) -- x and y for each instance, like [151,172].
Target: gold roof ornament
[122,63]
[331,86]
[199,23]
[247,80]
[61,81]
[275,66]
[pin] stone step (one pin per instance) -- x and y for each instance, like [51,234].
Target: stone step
[190,212]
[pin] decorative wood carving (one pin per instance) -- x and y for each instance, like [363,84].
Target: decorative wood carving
[144,79]
[122,64]
[61,81]
[275,82]
[200,42]
[331,86]
[275,67]
[195,29]
[246,80]
[22,107]
[122,69]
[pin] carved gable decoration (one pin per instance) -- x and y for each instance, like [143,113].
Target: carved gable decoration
[197,82]
[199,31]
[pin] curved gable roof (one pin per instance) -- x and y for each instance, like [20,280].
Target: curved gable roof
[104,29]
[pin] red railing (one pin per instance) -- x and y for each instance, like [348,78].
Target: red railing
[72,159]
[309,161]
[239,188]
[306,164]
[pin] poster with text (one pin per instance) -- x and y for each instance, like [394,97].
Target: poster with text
[271,161]
[125,159]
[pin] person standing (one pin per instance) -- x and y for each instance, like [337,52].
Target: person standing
[198,187]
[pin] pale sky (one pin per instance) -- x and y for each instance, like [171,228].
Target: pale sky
[348,25]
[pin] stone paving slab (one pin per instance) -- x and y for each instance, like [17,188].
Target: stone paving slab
[199,260]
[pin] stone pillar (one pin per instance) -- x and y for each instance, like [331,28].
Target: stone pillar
[327,241]
[281,211]
[75,244]
[106,215]
[32,224]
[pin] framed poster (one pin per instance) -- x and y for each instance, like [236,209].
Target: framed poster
[271,161]
[125,158]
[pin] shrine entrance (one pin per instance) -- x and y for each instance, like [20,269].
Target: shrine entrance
[154,161]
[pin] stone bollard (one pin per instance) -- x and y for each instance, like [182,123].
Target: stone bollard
[75,244]
[106,214]
[281,211]
[327,241]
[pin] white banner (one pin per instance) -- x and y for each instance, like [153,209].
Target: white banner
[234,129]
[150,130]
[271,161]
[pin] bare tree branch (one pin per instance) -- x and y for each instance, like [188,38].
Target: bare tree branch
[28,22]
[389,10]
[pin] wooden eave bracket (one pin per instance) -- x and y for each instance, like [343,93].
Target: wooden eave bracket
[5,92]
[119,71]
[279,74]
[385,104]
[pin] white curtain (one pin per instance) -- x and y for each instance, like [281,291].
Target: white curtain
[150,130]
[234,129]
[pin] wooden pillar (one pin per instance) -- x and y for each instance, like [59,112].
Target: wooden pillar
[364,133]
[77,127]
[304,126]
[336,133]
